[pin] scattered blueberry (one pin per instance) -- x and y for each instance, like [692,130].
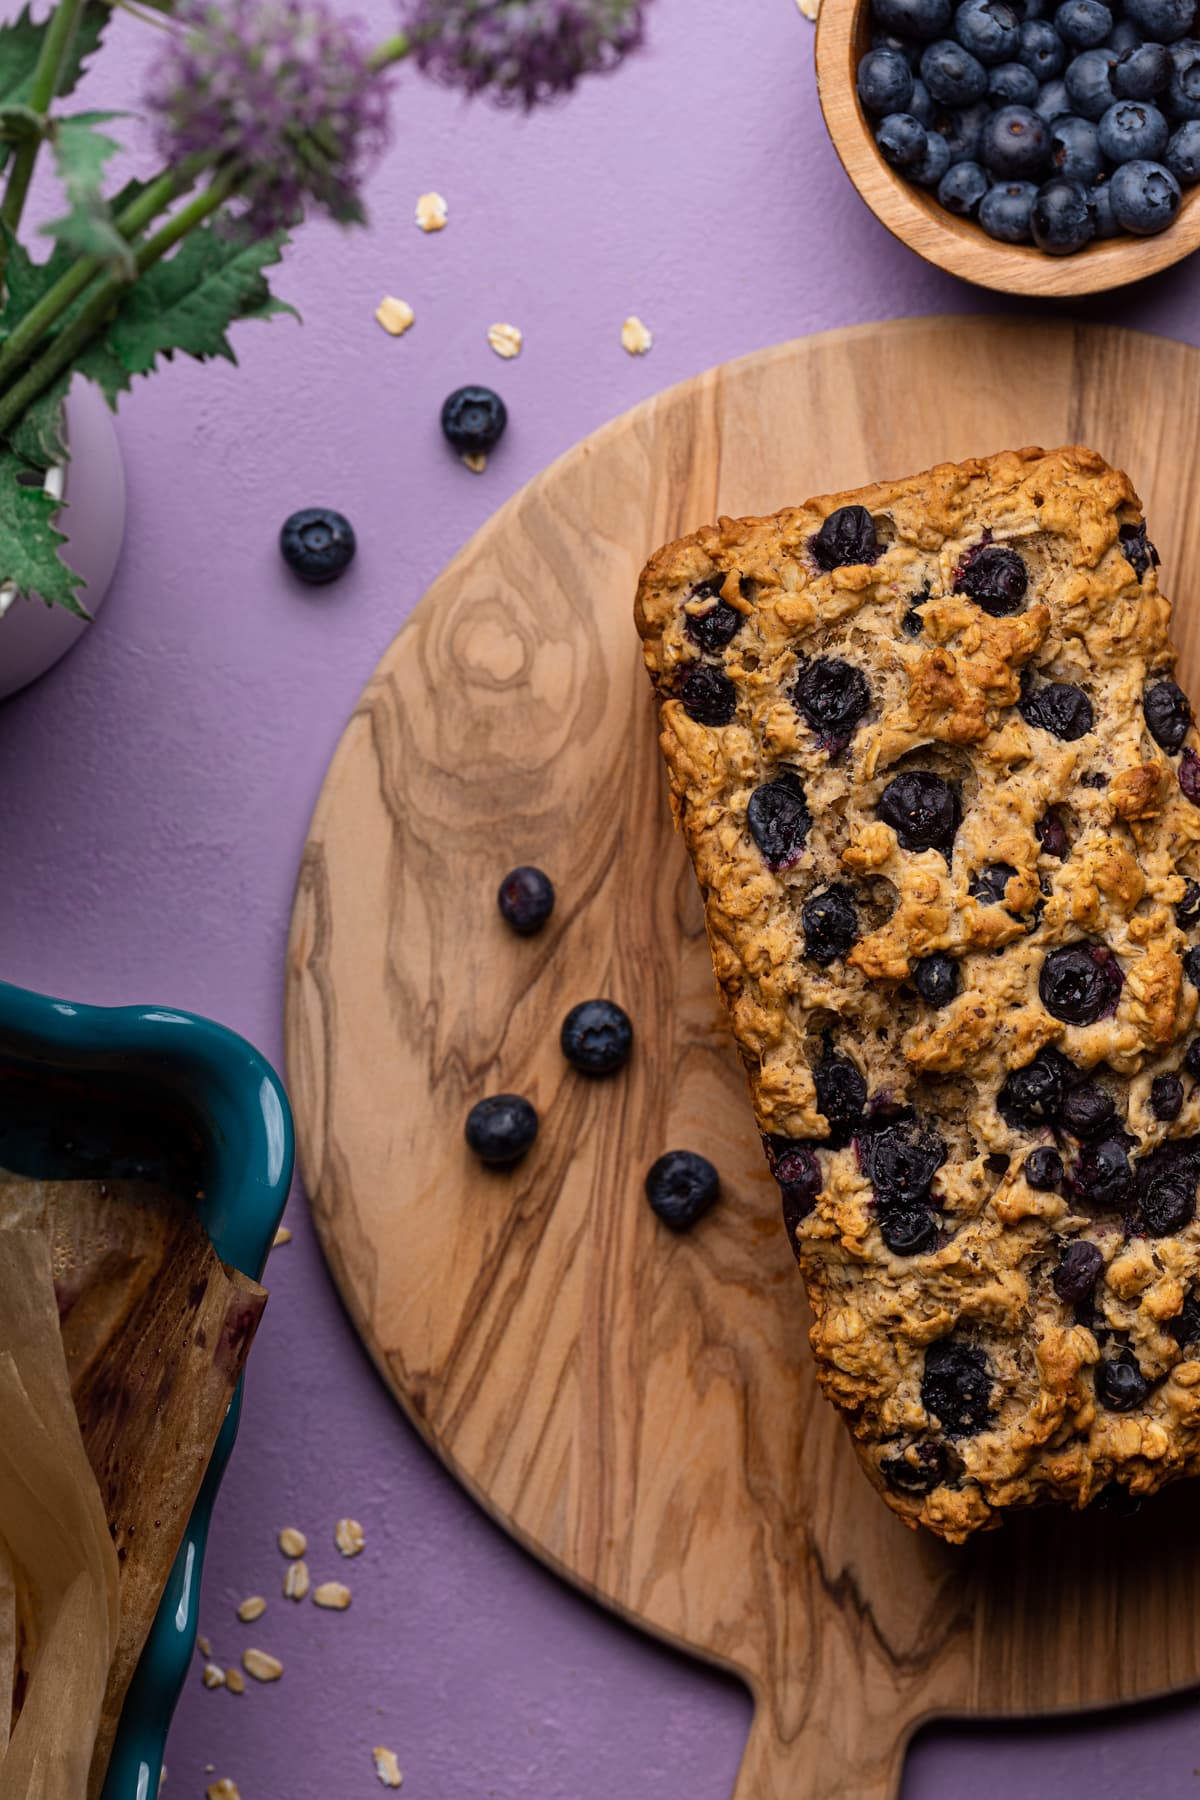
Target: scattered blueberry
[473,420]
[953,76]
[1015,143]
[989,29]
[902,140]
[1182,155]
[1075,150]
[1168,714]
[1120,1384]
[1051,834]
[922,1467]
[681,1186]
[832,696]
[936,978]
[988,884]
[847,537]
[526,899]
[1166,1097]
[708,696]
[719,623]
[1060,708]
[960,190]
[1012,84]
[1166,1191]
[1162,20]
[1033,1095]
[1077,1272]
[1145,197]
[501,1128]
[914,18]
[1087,1110]
[1041,49]
[1062,220]
[1083,23]
[1080,983]
[1142,73]
[994,577]
[1006,210]
[841,1097]
[1053,102]
[1137,549]
[830,923]
[778,819]
[1103,1178]
[956,1387]
[900,1158]
[1187,910]
[922,809]
[1132,129]
[885,82]
[317,544]
[1043,1168]
[597,1036]
[908,1230]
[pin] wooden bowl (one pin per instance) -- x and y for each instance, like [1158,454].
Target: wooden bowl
[960,246]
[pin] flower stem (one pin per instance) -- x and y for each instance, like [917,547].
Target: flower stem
[60,31]
[23,340]
[61,353]
[393,49]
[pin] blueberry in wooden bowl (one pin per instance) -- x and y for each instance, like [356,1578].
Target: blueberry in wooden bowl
[903,82]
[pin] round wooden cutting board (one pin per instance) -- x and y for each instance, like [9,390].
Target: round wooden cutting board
[639,1409]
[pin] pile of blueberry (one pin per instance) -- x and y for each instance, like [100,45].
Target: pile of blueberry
[596,1038]
[1049,124]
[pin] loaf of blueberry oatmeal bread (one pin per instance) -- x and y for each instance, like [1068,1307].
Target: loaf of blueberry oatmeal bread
[942,797]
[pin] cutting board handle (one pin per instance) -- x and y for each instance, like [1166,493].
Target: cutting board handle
[811,1764]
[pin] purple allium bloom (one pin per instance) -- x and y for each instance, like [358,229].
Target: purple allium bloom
[282,88]
[521,52]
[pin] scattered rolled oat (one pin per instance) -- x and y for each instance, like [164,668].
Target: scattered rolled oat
[292,1542]
[432,212]
[203,1646]
[295,1582]
[212,1676]
[506,340]
[332,1594]
[252,1607]
[395,316]
[235,1681]
[810,8]
[386,1766]
[349,1537]
[634,336]
[262,1666]
[282,1236]
[476,461]
[224,1790]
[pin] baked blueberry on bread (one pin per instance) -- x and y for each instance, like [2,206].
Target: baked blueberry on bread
[942,796]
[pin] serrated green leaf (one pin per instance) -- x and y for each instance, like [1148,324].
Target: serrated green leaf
[39,437]
[80,155]
[20,47]
[17,122]
[26,281]
[29,541]
[97,363]
[188,301]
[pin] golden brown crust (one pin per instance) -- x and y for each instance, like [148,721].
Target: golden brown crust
[943,698]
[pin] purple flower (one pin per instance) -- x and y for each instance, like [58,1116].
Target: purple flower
[283,89]
[521,51]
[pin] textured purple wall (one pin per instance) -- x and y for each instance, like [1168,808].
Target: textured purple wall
[158,786]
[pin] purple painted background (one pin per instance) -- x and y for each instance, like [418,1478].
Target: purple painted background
[158,786]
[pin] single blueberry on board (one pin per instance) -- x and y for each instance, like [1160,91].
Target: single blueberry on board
[596,1037]
[501,1128]
[681,1186]
[526,899]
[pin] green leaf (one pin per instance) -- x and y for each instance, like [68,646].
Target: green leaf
[17,122]
[188,301]
[97,363]
[39,437]
[80,155]
[20,47]
[29,541]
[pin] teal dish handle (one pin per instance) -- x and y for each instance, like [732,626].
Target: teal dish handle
[145,1091]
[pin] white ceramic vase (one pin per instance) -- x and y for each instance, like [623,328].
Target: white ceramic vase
[33,636]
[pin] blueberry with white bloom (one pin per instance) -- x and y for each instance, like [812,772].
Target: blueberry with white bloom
[1089,82]
[1183,153]
[1145,197]
[902,140]
[1005,210]
[1012,84]
[1142,73]
[953,76]
[1162,21]
[962,188]
[1075,150]
[1083,23]
[885,82]
[1132,129]
[989,29]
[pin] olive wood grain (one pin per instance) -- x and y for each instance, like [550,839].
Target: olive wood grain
[960,246]
[638,1409]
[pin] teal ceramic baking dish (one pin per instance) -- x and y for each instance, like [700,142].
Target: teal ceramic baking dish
[147,1091]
